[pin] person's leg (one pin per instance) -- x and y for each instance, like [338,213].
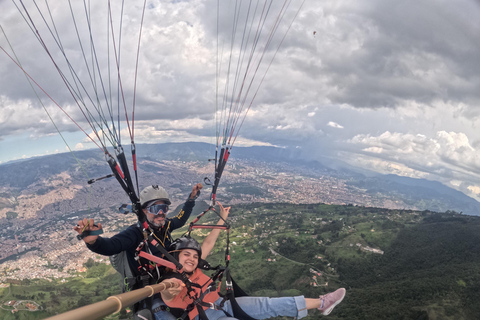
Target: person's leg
[216,315]
[159,309]
[264,308]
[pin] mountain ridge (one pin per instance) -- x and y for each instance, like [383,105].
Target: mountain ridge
[418,194]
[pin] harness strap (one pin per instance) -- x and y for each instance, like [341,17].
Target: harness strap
[156,259]
[237,310]
[201,313]
[178,266]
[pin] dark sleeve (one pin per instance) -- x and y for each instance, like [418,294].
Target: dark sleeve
[182,217]
[127,240]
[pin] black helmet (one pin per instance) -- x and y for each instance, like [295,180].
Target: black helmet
[186,243]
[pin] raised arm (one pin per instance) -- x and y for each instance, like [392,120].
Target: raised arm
[182,217]
[210,240]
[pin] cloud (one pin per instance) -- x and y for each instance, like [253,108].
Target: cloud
[475,189]
[399,78]
[372,56]
[443,157]
[334,125]
[373,149]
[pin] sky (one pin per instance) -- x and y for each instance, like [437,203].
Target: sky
[387,86]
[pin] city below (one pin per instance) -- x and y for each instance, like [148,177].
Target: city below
[38,241]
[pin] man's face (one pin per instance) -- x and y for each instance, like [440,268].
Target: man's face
[157,220]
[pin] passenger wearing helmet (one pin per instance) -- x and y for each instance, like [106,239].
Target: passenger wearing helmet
[190,252]
[186,246]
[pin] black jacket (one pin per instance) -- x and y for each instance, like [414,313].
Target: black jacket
[129,239]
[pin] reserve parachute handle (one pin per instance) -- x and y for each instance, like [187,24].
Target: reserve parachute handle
[113,304]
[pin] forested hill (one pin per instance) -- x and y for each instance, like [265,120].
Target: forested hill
[430,271]
[395,264]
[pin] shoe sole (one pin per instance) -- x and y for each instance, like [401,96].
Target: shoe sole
[327,312]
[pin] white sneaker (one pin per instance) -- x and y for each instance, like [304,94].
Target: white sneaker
[330,300]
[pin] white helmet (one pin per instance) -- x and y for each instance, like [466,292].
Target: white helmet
[153,193]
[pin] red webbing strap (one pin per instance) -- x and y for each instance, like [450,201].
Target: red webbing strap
[199,216]
[119,171]
[209,226]
[157,260]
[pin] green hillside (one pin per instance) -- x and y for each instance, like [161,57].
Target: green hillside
[395,264]
[57,296]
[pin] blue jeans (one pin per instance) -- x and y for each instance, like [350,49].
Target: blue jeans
[263,308]
[161,315]
[256,307]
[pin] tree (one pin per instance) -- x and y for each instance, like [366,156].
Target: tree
[90,263]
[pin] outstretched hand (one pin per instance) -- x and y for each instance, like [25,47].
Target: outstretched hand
[170,293]
[87,225]
[224,212]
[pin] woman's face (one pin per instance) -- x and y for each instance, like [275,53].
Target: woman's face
[188,258]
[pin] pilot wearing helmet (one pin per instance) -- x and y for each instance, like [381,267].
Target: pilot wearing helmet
[154,201]
[123,248]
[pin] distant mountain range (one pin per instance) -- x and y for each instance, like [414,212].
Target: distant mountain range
[417,194]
